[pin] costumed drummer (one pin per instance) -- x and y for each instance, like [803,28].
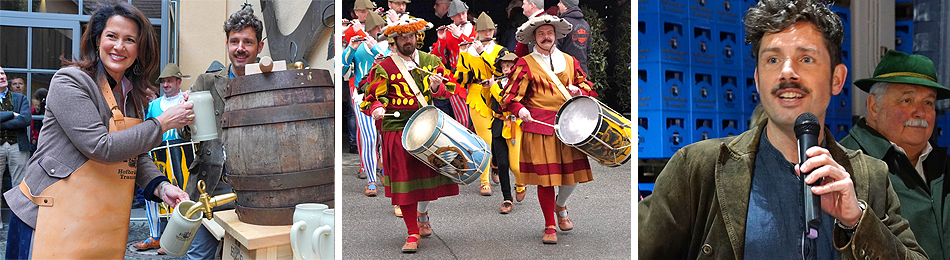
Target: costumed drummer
[75,199]
[400,84]
[540,83]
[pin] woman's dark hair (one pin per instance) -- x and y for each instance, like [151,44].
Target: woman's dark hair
[772,16]
[148,49]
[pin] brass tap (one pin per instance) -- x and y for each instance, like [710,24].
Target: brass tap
[205,202]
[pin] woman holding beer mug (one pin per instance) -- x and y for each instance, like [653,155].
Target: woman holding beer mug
[76,195]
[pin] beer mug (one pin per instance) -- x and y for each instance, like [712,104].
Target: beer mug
[323,237]
[203,127]
[307,218]
[180,231]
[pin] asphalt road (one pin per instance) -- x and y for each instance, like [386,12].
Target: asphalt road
[468,226]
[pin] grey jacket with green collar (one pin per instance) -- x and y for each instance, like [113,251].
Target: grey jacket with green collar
[701,198]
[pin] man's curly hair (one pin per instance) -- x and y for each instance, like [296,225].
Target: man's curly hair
[243,19]
[773,16]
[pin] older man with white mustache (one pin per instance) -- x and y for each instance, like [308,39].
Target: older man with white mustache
[897,129]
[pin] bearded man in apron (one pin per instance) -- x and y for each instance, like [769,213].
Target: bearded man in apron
[76,196]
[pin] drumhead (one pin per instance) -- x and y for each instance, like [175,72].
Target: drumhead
[420,127]
[578,119]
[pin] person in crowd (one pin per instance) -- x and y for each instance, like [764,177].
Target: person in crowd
[447,49]
[93,127]
[743,196]
[505,134]
[474,70]
[901,119]
[578,42]
[360,54]
[15,119]
[174,166]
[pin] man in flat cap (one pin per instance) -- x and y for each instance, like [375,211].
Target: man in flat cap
[896,130]
[540,83]
[577,43]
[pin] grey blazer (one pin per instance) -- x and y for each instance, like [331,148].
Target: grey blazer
[75,130]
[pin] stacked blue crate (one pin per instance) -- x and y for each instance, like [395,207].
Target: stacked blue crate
[904,36]
[705,126]
[731,124]
[942,129]
[672,7]
[664,79]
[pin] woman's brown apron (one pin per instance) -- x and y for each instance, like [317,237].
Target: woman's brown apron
[86,214]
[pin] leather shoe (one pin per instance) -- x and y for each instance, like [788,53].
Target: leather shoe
[564,223]
[486,189]
[519,195]
[505,207]
[412,244]
[550,235]
[149,243]
[161,251]
[397,210]
[371,189]
[361,174]
[494,177]
[425,228]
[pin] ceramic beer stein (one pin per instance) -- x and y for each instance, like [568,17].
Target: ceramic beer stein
[180,230]
[203,128]
[323,237]
[307,218]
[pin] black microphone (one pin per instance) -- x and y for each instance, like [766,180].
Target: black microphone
[807,128]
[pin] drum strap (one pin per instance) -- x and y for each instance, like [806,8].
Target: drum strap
[409,80]
[554,78]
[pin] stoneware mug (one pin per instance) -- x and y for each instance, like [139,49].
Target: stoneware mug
[323,237]
[203,128]
[180,231]
[307,218]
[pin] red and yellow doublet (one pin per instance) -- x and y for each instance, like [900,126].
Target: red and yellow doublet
[544,159]
[407,179]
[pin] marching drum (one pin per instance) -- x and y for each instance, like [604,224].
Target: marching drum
[593,128]
[445,145]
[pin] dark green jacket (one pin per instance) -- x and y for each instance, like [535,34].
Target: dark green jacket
[924,204]
[701,198]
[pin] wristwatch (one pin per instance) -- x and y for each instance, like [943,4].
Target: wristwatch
[860,205]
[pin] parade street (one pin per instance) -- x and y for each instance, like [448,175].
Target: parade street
[468,226]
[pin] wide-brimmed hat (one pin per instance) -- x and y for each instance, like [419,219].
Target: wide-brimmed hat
[456,7]
[406,26]
[899,67]
[484,22]
[171,70]
[525,33]
[363,5]
[507,56]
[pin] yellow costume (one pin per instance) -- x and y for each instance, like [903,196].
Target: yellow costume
[472,70]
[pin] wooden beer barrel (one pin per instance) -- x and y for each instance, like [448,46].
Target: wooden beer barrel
[278,137]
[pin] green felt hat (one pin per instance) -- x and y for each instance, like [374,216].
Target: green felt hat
[899,67]
[171,70]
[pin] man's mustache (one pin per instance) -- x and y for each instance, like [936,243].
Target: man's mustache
[917,122]
[789,84]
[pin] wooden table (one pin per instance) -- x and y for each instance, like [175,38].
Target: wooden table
[247,241]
